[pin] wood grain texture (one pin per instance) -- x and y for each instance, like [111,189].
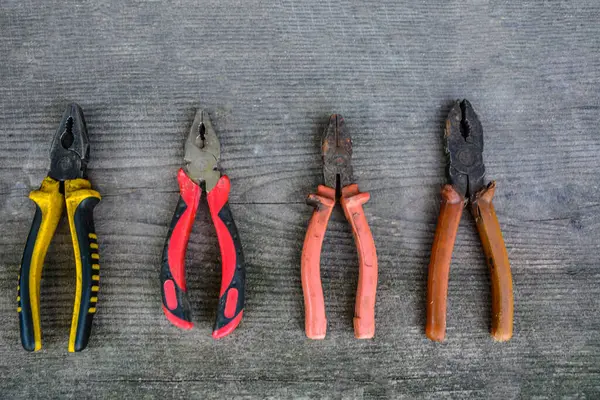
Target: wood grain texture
[270,74]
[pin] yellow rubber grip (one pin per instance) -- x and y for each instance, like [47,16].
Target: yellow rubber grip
[50,205]
[85,247]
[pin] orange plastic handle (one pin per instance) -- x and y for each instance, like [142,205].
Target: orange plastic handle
[314,304]
[364,311]
[497,259]
[439,266]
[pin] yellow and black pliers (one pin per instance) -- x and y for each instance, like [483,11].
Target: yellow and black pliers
[66,183]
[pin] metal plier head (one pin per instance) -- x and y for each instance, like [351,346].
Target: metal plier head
[464,147]
[70,150]
[202,152]
[337,154]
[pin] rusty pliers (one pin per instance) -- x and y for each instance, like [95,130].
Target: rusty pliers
[466,173]
[337,174]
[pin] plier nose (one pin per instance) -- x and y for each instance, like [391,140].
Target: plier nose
[70,149]
[202,152]
[337,154]
[464,148]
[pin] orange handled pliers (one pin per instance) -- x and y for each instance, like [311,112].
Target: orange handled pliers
[466,175]
[337,174]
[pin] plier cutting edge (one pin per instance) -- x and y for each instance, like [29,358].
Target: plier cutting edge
[66,183]
[202,153]
[466,175]
[337,173]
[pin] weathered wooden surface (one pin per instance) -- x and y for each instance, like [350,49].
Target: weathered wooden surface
[270,74]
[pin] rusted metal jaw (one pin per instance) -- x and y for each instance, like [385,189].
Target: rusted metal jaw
[337,154]
[202,152]
[464,147]
[70,149]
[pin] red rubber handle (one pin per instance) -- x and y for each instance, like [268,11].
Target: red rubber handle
[230,307]
[364,311]
[315,320]
[172,273]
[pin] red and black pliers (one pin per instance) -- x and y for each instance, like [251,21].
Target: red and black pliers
[202,153]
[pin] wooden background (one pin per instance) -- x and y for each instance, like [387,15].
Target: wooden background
[270,74]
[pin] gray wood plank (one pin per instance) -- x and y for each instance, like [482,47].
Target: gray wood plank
[270,74]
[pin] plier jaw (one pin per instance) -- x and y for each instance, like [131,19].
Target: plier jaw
[337,154]
[70,149]
[202,152]
[463,138]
